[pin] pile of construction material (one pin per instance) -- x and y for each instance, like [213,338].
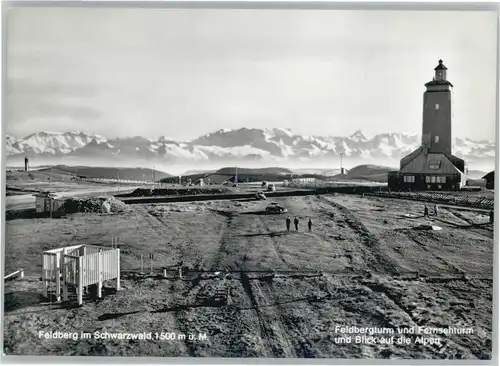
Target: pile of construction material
[92,204]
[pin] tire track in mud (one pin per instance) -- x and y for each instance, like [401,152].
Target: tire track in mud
[214,264]
[267,333]
[276,341]
[296,349]
[276,320]
[273,243]
[381,263]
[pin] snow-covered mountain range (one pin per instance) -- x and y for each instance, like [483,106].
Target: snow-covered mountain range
[233,146]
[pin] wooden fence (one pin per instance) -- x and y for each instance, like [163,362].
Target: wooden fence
[458,198]
[443,198]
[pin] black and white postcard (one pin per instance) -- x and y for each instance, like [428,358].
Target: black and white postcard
[249,182]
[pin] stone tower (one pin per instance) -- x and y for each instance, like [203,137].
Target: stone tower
[436,126]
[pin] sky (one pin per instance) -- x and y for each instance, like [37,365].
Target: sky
[184,73]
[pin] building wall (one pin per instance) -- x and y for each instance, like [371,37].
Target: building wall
[437,122]
[58,203]
[39,204]
[393,180]
[419,182]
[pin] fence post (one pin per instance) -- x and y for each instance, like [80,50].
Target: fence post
[118,287]
[99,273]
[80,280]
[65,277]
[58,276]
[44,278]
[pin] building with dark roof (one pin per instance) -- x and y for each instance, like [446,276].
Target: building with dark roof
[432,166]
[490,180]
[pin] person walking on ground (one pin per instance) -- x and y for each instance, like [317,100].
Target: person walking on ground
[435,210]
[288,223]
[296,223]
[309,224]
[426,211]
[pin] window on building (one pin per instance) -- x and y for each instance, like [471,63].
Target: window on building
[409,179]
[434,164]
[436,107]
[433,179]
[440,186]
[427,179]
[443,179]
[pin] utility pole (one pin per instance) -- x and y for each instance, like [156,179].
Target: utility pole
[341,169]
[236,175]
[153,175]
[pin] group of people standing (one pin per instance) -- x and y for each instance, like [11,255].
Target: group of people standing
[296,223]
[426,211]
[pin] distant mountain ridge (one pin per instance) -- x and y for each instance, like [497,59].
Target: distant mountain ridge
[233,146]
[63,172]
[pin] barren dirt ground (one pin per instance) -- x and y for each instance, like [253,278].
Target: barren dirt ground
[354,268]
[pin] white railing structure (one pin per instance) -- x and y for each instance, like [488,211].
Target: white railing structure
[332,183]
[80,266]
[19,272]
